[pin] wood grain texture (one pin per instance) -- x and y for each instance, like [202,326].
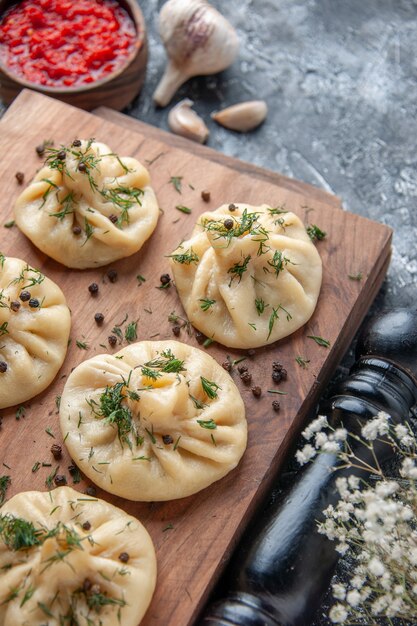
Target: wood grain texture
[115,91]
[193,536]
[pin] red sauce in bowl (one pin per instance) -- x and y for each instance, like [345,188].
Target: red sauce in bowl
[65,43]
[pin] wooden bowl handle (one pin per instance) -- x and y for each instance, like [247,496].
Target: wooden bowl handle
[283,566]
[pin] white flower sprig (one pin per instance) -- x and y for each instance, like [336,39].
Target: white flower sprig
[375,523]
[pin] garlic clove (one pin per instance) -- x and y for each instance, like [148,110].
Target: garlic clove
[198,41]
[242,117]
[183,121]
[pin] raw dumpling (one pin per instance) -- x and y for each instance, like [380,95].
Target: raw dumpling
[88,207]
[66,558]
[159,420]
[34,329]
[248,275]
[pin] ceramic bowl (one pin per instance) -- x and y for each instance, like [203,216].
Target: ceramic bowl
[116,90]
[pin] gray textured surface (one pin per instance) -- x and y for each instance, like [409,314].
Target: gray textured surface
[340,79]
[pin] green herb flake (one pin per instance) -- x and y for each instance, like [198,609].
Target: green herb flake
[185,258]
[183,209]
[320,341]
[358,277]
[302,362]
[82,345]
[131,332]
[209,424]
[4,485]
[49,432]
[176,181]
[9,224]
[210,388]
[20,412]
[315,233]
[141,279]
[206,303]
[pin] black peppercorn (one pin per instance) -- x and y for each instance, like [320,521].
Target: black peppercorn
[99,318]
[257,391]
[86,526]
[251,352]
[232,207]
[76,230]
[276,405]
[112,276]
[124,557]
[20,177]
[278,375]
[34,303]
[91,491]
[228,224]
[24,296]
[14,305]
[200,337]
[56,451]
[226,365]
[112,339]
[165,279]
[40,149]
[72,469]
[76,143]
[246,378]
[242,368]
[62,155]
[113,218]
[3,367]
[176,330]
[167,439]
[60,480]
[93,289]
[87,584]
[206,196]
[82,167]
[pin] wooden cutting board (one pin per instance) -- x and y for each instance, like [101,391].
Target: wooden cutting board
[193,536]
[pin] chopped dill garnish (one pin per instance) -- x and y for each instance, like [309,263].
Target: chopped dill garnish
[4,485]
[186,258]
[131,332]
[320,341]
[209,387]
[176,182]
[278,262]
[315,233]
[302,362]
[183,209]
[206,303]
[209,424]
[238,269]
[260,305]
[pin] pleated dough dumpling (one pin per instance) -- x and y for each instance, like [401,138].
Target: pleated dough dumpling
[76,560]
[159,420]
[248,275]
[87,206]
[34,329]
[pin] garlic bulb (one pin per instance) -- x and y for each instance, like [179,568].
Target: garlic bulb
[183,121]
[198,41]
[242,117]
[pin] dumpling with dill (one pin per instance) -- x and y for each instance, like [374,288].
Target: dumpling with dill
[87,207]
[248,275]
[156,421]
[34,329]
[66,558]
